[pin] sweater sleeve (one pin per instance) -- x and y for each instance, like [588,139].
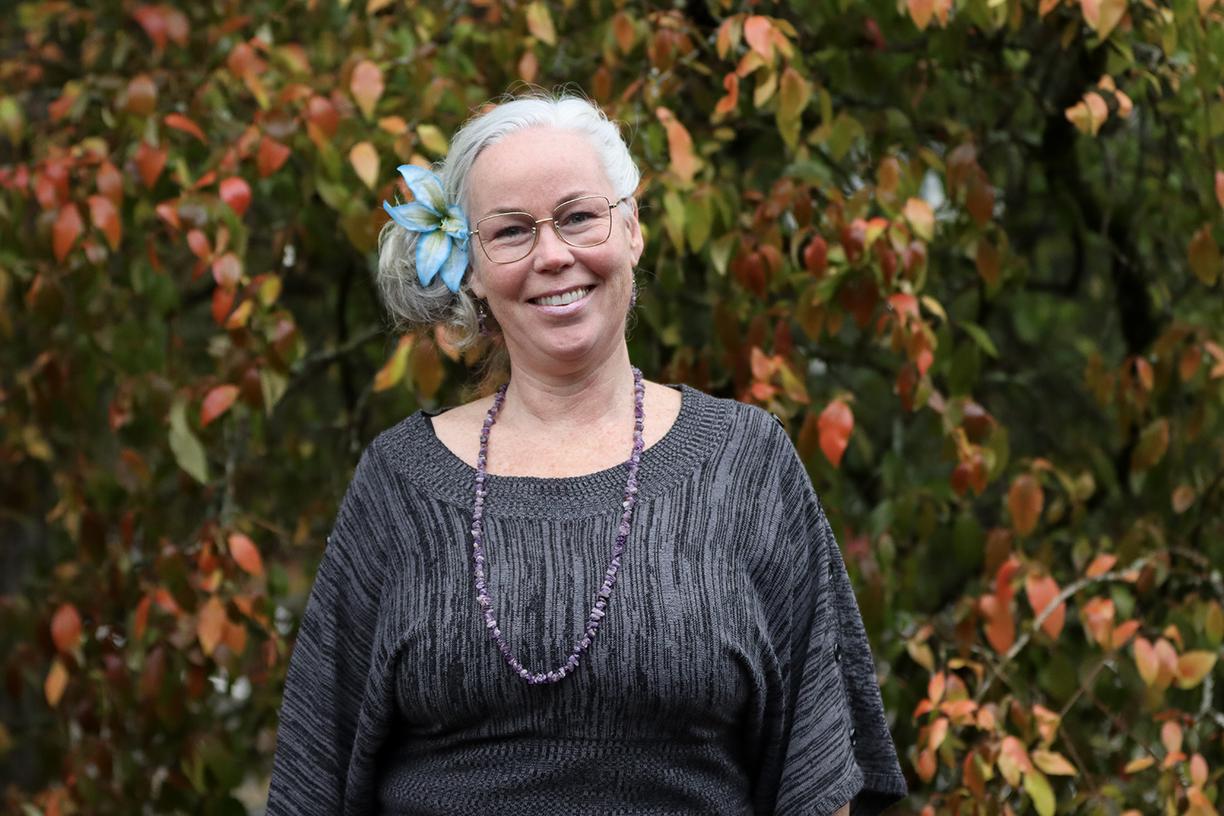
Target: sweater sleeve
[836,747]
[337,702]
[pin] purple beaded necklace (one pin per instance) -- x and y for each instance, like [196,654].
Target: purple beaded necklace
[618,547]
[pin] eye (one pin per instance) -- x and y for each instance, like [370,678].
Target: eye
[577,218]
[510,232]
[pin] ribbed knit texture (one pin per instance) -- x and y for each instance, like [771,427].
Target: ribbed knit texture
[731,675]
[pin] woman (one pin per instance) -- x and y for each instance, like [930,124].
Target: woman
[586,593]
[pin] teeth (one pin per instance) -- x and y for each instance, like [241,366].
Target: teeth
[563,298]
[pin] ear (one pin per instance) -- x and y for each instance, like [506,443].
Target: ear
[636,242]
[475,285]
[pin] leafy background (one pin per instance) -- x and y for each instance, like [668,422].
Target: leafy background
[967,249]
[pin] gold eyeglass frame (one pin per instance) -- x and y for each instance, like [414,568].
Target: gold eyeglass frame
[535,226]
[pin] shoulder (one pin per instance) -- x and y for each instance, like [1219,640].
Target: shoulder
[745,425]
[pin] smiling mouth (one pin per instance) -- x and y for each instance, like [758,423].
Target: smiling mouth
[563,299]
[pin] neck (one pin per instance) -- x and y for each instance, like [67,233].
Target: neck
[580,398]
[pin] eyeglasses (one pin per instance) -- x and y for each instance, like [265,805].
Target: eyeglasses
[582,223]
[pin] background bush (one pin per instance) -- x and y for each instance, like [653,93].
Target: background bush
[967,249]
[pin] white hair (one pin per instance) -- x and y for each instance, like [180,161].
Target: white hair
[411,304]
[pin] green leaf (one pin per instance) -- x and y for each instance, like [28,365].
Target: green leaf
[1039,790]
[980,337]
[188,451]
[720,252]
[673,218]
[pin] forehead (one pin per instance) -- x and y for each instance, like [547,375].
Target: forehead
[535,168]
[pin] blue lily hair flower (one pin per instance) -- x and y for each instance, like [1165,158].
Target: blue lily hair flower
[442,247]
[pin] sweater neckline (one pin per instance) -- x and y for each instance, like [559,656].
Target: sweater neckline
[416,452]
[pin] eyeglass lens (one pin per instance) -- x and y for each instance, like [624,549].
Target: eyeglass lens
[583,222]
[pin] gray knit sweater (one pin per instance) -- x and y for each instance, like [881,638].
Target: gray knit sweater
[730,676]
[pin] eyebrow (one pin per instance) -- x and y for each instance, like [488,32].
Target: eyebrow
[567,197]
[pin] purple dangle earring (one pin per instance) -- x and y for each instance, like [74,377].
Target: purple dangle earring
[481,316]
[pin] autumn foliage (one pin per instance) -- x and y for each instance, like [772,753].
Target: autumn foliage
[967,251]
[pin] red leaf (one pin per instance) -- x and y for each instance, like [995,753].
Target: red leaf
[141,95]
[836,423]
[197,241]
[272,155]
[180,122]
[106,218]
[236,193]
[246,554]
[1024,501]
[222,303]
[321,113]
[149,163]
[66,628]
[67,229]
[1219,187]
[217,402]
[1100,565]
[1041,591]
[110,183]
[153,20]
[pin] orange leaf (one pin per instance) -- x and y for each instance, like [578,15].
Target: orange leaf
[272,155]
[56,682]
[149,163]
[1198,770]
[1192,667]
[1013,760]
[935,687]
[1100,565]
[679,146]
[364,159]
[1171,736]
[920,12]
[1024,501]
[1152,445]
[210,625]
[236,193]
[217,402]
[1098,617]
[836,424]
[1122,633]
[921,217]
[1041,591]
[180,122]
[246,554]
[106,218]
[623,31]
[1145,661]
[66,628]
[729,102]
[153,20]
[758,31]
[66,230]
[1219,187]
[367,86]
[1140,764]
[397,364]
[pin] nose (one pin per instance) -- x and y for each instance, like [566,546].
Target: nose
[551,253]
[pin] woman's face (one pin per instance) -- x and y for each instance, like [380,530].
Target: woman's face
[532,171]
